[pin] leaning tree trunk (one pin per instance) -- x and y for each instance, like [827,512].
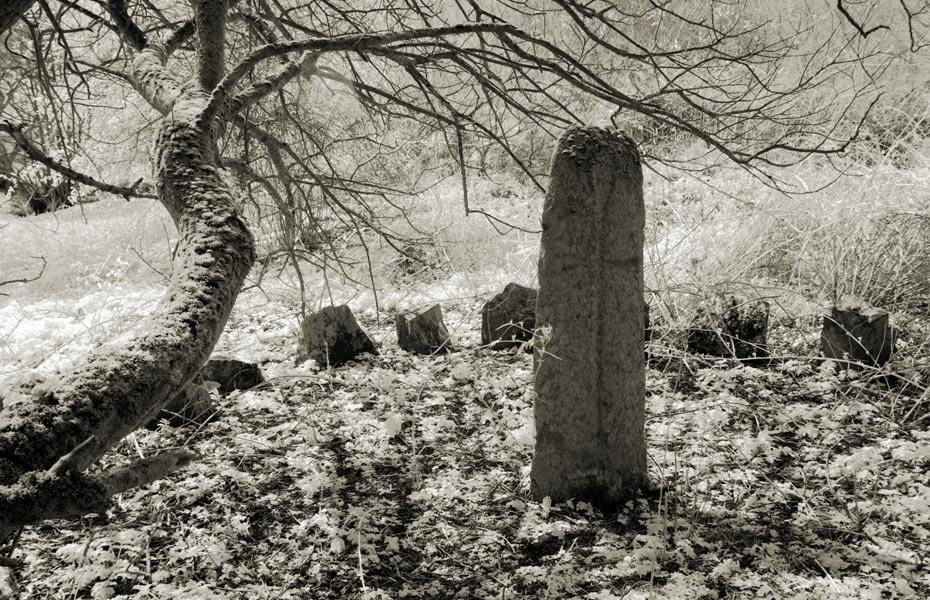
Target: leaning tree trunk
[47,437]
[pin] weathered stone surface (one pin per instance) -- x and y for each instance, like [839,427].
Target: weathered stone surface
[423,332]
[193,406]
[589,367]
[509,318]
[730,326]
[332,337]
[856,334]
[231,373]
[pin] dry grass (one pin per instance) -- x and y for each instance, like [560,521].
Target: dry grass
[867,235]
[108,242]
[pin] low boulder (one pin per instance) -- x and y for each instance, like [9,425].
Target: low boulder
[730,326]
[423,332]
[856,334]
[332,337]
[509,318]
[231,373]
[193,406]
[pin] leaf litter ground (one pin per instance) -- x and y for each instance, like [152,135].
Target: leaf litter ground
[407,477]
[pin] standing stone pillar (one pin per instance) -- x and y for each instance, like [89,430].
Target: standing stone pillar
[588,359]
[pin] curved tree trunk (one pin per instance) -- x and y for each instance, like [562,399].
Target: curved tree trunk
[64,426]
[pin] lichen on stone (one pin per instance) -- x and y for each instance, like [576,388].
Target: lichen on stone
[587,145]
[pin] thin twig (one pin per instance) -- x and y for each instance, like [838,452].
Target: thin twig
[26,279]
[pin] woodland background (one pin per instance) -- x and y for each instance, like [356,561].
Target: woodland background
[407,477]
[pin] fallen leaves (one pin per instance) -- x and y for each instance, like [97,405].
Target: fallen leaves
[406,477]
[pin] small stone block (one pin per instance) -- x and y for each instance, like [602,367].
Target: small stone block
[509,318]
[231,373]
[857,335]
[423,332]
[333,337]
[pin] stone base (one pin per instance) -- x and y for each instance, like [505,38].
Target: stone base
[333,337]
[423,332]
[508,319]
[855,335]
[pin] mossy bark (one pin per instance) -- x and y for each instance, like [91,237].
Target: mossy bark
[119,388]
[589,368]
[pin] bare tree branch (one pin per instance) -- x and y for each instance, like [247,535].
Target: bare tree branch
[862,30]
[36,154]
[180,35]
[357,43]
[131,32]
[259,89]
[160,88]
[62,493]
[210,27]
[26,279]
